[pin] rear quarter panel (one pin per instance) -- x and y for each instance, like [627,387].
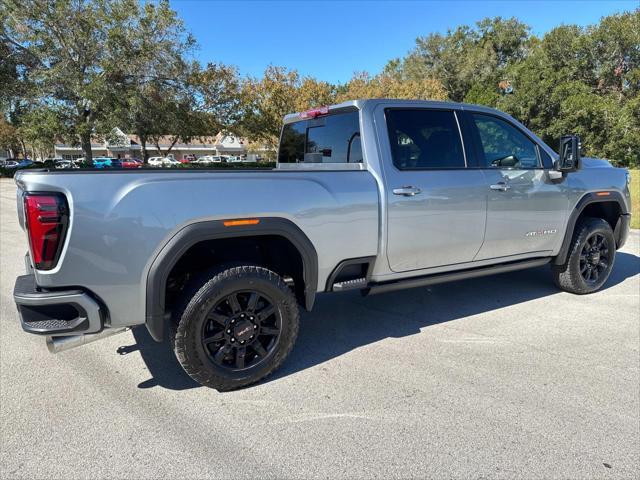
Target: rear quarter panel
[120,221]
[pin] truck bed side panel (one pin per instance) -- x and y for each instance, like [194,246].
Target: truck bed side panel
[121,221]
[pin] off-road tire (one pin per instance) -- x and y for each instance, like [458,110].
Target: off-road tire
[202,296]
[568,277]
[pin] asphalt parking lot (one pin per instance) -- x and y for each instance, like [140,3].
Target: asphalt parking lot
[498,377]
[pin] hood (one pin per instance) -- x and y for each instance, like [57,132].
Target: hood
[590,162]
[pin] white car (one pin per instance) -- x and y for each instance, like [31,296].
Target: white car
[60,163]
[234,160]
[170,161]
[155,161]
[205,159]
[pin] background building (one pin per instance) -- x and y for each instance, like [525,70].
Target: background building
[123,145]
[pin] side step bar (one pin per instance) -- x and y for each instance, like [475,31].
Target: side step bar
[350,284]
[375,288]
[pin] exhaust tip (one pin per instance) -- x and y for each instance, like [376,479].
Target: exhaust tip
[50,345]
[61,344]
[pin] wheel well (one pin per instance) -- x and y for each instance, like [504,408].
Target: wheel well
[274,252]
[609,211]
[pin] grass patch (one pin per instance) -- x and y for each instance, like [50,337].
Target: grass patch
[635,198]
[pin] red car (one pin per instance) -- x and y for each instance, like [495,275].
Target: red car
[188,158]
[131,163]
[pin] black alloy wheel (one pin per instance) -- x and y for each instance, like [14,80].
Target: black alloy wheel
[590,259]
[241,330]
[234,326]
[594,258]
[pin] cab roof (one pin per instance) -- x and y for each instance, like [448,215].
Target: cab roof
[370,103]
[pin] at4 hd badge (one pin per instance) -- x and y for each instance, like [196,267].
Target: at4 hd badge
[535,233]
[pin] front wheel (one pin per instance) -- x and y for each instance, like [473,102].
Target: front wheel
[236,327]
[590,260]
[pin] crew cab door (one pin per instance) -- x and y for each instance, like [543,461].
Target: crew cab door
[526,210]
[436,205]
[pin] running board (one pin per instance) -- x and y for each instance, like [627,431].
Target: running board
[375,288]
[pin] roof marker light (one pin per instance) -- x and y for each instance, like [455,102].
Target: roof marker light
[315,112]
[242,221]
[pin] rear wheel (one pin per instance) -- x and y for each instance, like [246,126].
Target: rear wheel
[590,259]
[235,327]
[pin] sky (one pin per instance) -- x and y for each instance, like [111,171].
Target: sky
[333,39]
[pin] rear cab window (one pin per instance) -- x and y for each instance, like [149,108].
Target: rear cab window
[333,138]
[423,139]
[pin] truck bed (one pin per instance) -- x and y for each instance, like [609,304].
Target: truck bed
[119,220]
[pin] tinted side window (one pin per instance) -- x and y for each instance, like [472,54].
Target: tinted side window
[331,139]
[503,145]
[424,139]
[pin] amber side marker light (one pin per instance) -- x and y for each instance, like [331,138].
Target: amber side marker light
[603,194]
[244,221]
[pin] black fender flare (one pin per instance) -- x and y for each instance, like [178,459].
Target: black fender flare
[194,233]
[586,199]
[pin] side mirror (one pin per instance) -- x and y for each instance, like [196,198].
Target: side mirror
[569,160]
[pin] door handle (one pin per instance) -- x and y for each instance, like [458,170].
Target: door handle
[500,186]
[407,191]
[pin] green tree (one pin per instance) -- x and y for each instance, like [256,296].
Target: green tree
[266,101]
[584,81]
[39,129]
[80,52]
[388,85]
[9,140]
[466,57]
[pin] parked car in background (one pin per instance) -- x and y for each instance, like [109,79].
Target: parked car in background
[170,162]
[62,164]
[10,163]
[155,161]
[19,163]
[163,162]
[234,160]
[132,163]
[50,162]
[188,158]
[102,162]
[205,159]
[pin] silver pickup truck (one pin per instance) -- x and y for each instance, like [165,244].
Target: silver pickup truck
[374,195]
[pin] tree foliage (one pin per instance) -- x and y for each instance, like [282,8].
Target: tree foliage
[386,85]
[74,69]
[572,80]
[280,91]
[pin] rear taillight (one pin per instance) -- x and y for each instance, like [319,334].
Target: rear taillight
[47,216]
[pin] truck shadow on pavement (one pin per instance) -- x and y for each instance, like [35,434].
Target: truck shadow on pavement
[345,321]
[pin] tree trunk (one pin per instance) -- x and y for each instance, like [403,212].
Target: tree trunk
[85,141]
[175,140]
[143,145]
